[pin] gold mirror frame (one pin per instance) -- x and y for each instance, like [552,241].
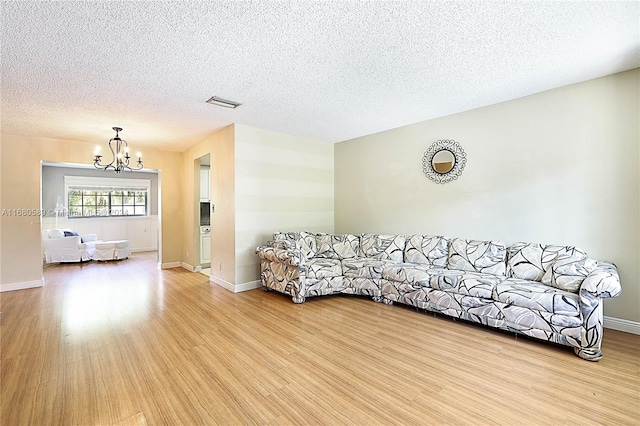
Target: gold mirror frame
[444,161]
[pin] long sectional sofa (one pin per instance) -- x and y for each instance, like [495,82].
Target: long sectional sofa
[549,292]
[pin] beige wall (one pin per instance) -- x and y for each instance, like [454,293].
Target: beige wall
[220,146]
[283,183]
[261,182]
[20,246]
[1,206]
[190,199]
[557,167]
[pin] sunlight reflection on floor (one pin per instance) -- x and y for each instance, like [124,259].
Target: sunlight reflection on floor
[89,306]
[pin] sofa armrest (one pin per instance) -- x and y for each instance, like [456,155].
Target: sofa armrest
[603,282]
[288,257]
[282,270]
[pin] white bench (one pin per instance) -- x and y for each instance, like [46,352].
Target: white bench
[111,250]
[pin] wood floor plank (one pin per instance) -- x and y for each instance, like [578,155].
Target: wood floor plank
[137,419]
[124,343]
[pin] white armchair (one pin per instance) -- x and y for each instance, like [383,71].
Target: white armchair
[70,248]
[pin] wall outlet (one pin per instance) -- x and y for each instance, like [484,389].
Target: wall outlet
[219,266]
[187,253]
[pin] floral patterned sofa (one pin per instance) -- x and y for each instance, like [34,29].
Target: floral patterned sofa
[548,292]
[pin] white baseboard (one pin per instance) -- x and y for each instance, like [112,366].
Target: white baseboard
[627,326]
[170,265]
[191,268]
[188,267]
[235,288]
[22,285]
[251,285]
[222,283]
[141,249]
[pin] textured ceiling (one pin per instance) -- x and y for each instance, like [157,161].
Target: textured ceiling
[330,70]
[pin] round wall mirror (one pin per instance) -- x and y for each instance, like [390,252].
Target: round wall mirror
[444,161]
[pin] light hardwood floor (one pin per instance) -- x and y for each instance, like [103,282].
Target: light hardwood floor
[127,344]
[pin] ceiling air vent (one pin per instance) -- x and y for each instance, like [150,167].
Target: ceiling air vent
[215,100]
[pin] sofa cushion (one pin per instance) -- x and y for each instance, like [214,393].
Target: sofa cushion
[540,323]
[478,309]
[478,256]
[332,246]
[384,247]
[530,261]
[324,286]
[319,268]
[409,273]
[537,296]
[568,271]
[474,284]
[364,267]
[430,250]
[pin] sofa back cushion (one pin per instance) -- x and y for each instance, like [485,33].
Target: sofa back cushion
[88,238]
[286,240]
[530,261]
[287,237]
[56,233]
[478,256]
[303,241]
[59,233]
[428,250]
[308,245]
[569,270]
[382,247]
[332,246]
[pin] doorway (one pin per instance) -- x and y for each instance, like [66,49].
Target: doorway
[202,225]
[140,224]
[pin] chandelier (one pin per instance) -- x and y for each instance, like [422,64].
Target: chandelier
[120,152]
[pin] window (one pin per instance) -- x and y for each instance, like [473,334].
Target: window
[106,197]
[91,202]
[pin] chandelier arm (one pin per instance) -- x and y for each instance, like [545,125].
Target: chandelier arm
[125,146]
[97,163]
